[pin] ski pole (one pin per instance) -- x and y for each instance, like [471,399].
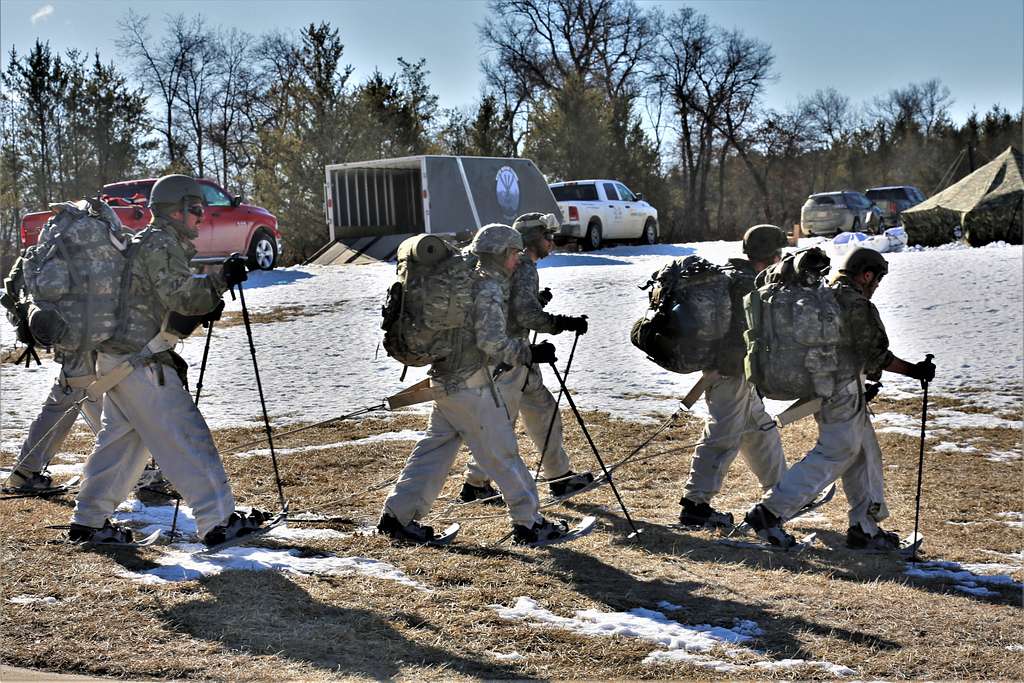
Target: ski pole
[586,433]
[346,416]
[558,402]
[263,402]
[920,461]
[202,367]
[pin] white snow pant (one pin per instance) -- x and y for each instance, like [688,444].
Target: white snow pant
[733,408]
[848,449]
[53,424]
[141,416]
[469,415]
[535,405]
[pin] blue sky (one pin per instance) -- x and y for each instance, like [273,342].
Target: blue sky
[863,49]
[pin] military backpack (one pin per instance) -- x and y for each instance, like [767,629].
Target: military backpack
[73,276]
[793,331]
[429,302]
[689,311]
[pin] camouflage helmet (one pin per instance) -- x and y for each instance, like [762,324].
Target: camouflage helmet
[172,189]
[861,260]
[533,226]
[762,241]
[495,239]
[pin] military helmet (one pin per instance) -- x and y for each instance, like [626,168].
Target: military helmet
[861,260]
[172,189]
[495,239]
[762,241]
[533,226]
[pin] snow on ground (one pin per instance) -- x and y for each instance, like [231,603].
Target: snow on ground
[968,578]
[963,305]
[679,643]
[178,562]
[32,600]
[403,435]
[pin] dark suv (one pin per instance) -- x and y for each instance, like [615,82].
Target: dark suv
[829,213]
[894,199]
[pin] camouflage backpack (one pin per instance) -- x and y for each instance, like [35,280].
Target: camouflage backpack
[428,304]
[689,311]
[73,275]
[793,329]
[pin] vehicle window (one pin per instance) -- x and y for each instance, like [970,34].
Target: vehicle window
[857,200]
[916,193]
[887,195]
[823,200]
[128,190]
[214,197]
[625,193]
[587,192]
[610,192]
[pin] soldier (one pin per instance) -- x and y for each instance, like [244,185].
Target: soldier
[735,410]
[523,387]
[150,408]
[51,427]
[469,408]
[847,447]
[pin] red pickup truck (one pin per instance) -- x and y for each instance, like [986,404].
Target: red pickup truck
[228,226]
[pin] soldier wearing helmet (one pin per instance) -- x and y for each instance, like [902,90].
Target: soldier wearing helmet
[469,408]
[735,410]
[523,386]
[150,408]
[847,447]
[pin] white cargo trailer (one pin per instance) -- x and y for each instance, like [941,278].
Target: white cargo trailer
[370,206]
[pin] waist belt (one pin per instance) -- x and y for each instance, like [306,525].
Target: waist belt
[164,341]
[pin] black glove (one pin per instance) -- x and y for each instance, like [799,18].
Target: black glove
[542,353]
[233,270]
[924,371]
[213,315]
[184,325]
[572,323]
[871,390]
[24,333]
[544,296]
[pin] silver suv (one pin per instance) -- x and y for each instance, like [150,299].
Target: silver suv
[828,213]
[894,199]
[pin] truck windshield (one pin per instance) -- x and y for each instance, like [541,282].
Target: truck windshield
[128,190]
[575,193]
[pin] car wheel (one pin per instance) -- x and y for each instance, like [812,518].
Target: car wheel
[262,252]
[650,235]
[592,240]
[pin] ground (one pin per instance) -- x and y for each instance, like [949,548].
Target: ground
[329,603]
[826,604]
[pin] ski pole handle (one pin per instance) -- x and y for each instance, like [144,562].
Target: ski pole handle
[927,359]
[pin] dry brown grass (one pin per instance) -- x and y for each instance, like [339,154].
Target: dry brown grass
[825,604]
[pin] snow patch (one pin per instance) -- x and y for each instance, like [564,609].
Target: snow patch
[682,643]
[1012,519]
[403,435]
[1004,456]
[32,599]
[948,447]
[183,565]
[505,656]
[967,578]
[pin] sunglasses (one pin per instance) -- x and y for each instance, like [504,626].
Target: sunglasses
[197,210]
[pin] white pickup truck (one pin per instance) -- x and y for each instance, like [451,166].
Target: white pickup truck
[595,211]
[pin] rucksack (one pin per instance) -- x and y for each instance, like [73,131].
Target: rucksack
[429,302]
[74,274]
[793,329]
[689,311]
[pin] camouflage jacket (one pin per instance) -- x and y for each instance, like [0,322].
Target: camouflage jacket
[865,342]
[526,311]
[484,340]
[160,280]
[732,348]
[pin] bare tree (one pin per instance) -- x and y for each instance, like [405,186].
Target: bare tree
[237,89]
[161,67]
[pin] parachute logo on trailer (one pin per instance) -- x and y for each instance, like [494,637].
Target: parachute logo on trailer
[507,191]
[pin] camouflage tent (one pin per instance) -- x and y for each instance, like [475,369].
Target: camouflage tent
[983,207]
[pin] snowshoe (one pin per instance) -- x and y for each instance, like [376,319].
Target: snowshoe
[32,492]
[702,515]
[768,527]
[237,525]
[414,532]
[108,534]
[570,483]
[551,533]
[885,541]
[28,482]
[486,494]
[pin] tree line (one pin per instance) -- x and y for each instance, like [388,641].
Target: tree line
[669,103]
